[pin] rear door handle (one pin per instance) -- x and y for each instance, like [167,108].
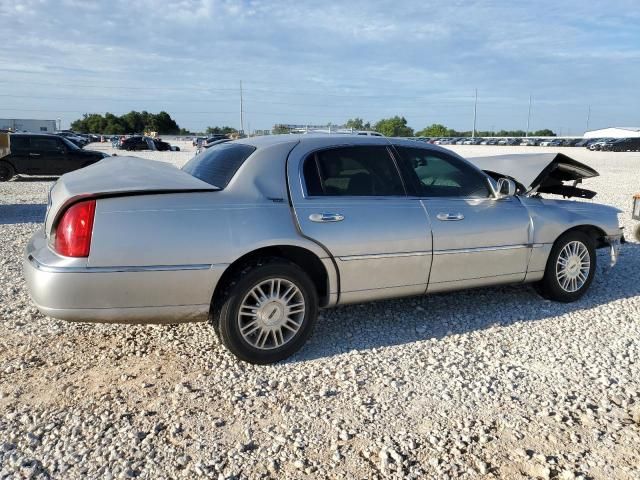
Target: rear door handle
[450,217]
[34,154]
[326,217]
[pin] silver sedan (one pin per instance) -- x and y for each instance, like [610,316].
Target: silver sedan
[256,235]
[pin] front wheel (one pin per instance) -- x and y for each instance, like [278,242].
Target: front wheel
[570,268]
[6,172]
[268,311]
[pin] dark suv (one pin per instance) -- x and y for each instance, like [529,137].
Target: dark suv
[42,154]
[146,143]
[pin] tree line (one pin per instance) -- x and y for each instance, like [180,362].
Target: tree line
[132,122]
[396,126]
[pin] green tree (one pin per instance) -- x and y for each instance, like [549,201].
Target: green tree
[132,122]
[544,133]
[220,130]
[434,130]
[393,127]
[163,123]
[355,123]
[277,129]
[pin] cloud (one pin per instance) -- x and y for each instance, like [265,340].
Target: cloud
[327,61]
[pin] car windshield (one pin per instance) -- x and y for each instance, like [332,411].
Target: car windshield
[69,144]
[218,164]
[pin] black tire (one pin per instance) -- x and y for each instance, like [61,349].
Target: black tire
[226,314]
[7,172]
[549,287]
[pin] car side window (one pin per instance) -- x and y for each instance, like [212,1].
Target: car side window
[45,144]
[352,171]
[440,175]
[19,142]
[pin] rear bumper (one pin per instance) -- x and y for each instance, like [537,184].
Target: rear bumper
[70,290]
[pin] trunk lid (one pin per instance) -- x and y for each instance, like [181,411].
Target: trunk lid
[540,172]
[119,176]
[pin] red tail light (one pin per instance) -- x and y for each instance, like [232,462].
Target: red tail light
[73,233]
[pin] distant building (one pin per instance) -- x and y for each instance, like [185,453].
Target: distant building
[28,125]
[614,132]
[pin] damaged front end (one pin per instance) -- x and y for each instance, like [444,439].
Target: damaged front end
[553,173]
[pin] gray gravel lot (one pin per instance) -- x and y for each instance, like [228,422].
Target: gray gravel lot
[494,383]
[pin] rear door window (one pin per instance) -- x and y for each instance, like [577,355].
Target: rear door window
[45,144]
[218,164]
[352,171]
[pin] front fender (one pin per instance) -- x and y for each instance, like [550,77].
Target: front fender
[551,218]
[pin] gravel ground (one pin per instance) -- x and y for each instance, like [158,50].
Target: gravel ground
[494,383]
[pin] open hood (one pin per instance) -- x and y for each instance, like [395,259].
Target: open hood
[539,172]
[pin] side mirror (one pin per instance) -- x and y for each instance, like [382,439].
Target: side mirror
[506,187]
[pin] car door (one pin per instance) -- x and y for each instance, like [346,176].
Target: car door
[19,156]
[47,156]
[351,199]
[478,239]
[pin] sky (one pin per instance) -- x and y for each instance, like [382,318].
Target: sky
[316,62]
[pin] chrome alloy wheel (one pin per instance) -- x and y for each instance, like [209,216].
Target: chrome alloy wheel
[271,313]
[573,266]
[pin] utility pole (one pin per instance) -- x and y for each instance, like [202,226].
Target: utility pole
[528,117]
[588,118]
[475,113]
[241,111]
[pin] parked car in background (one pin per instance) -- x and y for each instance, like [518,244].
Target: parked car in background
[509,141]
[164,146]
[599,144]
[44,154]
[135,143]
[197,141]
[529,142]
[622,145]
[73,138]
[140,142]
[256,235]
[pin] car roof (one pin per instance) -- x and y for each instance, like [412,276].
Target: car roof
[319,140]
[29,134]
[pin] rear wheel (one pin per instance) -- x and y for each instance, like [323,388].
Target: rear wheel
[268,311]
[570,268]
[7,172]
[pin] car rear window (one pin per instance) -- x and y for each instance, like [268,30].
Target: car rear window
[218,164]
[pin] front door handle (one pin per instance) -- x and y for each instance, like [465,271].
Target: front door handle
[34,154]
[450,217]
[326,217]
